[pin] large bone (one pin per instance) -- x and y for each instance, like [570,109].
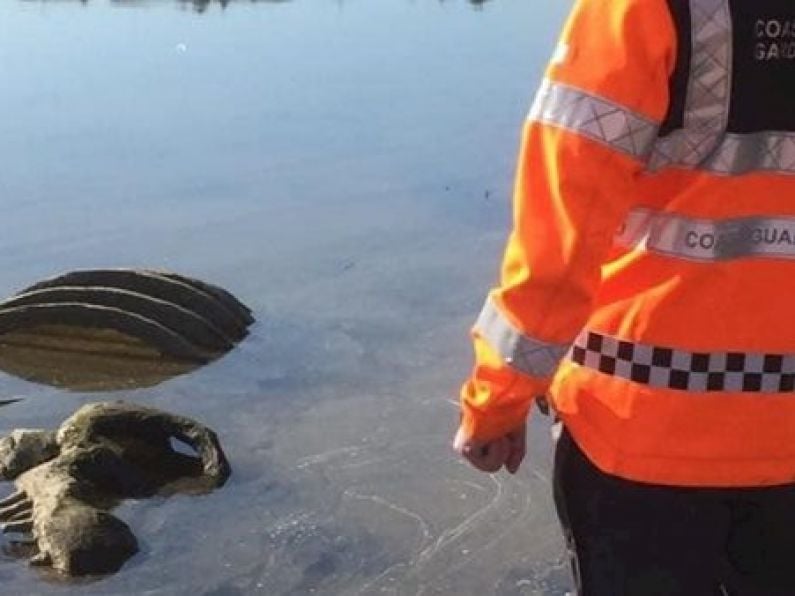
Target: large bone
[104,452]
[102,317]
[227,314]
[178,319]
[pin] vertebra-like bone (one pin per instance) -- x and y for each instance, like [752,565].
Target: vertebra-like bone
[103,453]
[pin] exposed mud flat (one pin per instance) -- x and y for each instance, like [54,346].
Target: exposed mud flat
[342,168]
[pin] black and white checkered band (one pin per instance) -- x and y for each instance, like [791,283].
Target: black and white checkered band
[688,371]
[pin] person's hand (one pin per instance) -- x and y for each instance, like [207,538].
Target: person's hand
[489,456]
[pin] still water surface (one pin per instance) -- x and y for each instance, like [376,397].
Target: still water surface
[342,167]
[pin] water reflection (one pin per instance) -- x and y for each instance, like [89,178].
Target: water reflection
[86,359]
[201,6]
[197,5]
[329,165]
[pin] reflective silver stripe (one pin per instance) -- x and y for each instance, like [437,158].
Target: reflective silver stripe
[703,143]
[525,354]
[768,151]
[708,89]
[594,117]
[708,240]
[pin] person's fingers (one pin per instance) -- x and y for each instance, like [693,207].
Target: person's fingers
[490,456]
[517,441]
[459,441]
[487,457]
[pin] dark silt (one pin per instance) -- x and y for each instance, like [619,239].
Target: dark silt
[342,167]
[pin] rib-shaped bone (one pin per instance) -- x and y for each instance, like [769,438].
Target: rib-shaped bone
[153,333]
[22,515]
[178,319]
[227,315]
[15,497]
[8,513]
[227,298]
[19,527]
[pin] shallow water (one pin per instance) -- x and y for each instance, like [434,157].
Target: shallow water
[342,167]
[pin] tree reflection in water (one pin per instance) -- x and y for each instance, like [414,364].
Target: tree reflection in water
[201,6]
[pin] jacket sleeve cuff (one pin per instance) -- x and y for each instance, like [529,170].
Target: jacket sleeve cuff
[486,416]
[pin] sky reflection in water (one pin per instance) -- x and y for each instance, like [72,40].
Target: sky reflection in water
[344,169]
[201,5]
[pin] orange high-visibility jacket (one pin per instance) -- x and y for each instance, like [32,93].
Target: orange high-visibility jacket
[648,285]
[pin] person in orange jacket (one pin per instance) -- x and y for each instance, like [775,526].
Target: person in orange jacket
[647,294]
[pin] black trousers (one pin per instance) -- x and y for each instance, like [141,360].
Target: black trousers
[632,539]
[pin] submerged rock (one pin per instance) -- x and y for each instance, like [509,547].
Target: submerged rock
[68,480]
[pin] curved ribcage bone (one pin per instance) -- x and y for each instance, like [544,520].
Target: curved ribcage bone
[180,317]
[8,513]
